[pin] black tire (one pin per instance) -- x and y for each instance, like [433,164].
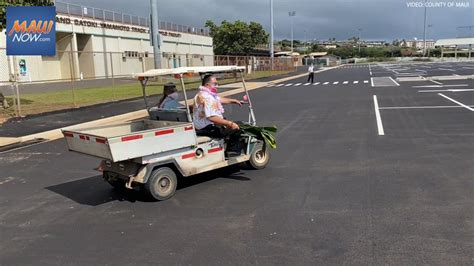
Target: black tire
[114,180]
[162,183]
[259,157]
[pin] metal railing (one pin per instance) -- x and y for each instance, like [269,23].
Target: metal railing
[75,79]
[118,17]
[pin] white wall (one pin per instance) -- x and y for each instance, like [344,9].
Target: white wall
[38,67]
[3,58]
[96,63]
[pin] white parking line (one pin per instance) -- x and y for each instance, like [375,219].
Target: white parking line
[420,107]
[450,90]
[306,84]
[279,85]
[435,82]
[377,117]
[345,82]
[394,81]
[366,81]
[356,82]
[288,85]
[440,86]
[317,83]
[297,84]
[454,101]
[372,81]
[336,82]
[326,83]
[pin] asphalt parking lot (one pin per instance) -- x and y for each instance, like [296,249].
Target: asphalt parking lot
[376,172]
[424,69]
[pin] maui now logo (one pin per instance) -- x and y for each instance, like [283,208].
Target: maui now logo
[32,32]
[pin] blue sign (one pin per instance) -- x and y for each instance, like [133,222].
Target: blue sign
[31,30]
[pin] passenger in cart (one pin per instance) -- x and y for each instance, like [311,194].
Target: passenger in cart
[170,97]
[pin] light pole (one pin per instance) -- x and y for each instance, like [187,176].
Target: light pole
[424,33]
[271,33]
[292,14]
[359,29]
[155,38]
[429,26]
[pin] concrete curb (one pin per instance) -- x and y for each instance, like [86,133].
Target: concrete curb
[57,134]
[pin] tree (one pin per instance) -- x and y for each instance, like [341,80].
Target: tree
[238,38]
[354,40]
[4,4]
[317,48]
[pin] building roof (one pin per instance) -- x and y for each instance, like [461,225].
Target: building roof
[287,53]
[318,54]
[457,41]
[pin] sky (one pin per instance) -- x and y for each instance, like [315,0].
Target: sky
[315,19]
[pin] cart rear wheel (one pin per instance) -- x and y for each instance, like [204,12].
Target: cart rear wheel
[114,180]
[162,183]
[259,157]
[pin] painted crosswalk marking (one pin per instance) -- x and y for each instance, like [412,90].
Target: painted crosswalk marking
[345,82]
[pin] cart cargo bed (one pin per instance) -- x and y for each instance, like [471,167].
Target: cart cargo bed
[131,140]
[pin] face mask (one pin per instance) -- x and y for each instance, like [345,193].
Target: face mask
[213,89]
[173,95]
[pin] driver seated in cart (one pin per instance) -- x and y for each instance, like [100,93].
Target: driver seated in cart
[208,116]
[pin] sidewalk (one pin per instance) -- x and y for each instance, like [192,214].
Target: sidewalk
[48,126]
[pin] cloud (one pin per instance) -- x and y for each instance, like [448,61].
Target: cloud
[315,19]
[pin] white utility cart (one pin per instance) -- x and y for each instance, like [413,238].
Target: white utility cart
[153,152]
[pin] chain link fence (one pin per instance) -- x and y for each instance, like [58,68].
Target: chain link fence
[76,79]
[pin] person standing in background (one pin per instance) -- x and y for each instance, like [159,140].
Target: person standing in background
[311,73]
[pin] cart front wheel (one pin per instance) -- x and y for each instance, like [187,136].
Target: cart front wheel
[162,183]
[259,157]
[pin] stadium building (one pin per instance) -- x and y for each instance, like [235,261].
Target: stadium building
[96,43]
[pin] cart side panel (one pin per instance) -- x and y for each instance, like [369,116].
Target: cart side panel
[88,144]
[141,144]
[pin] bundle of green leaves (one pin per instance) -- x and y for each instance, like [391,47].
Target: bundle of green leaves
[267,134]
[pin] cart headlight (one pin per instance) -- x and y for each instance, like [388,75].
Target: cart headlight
[121,167]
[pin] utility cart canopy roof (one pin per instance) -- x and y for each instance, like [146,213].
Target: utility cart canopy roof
[187,70]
